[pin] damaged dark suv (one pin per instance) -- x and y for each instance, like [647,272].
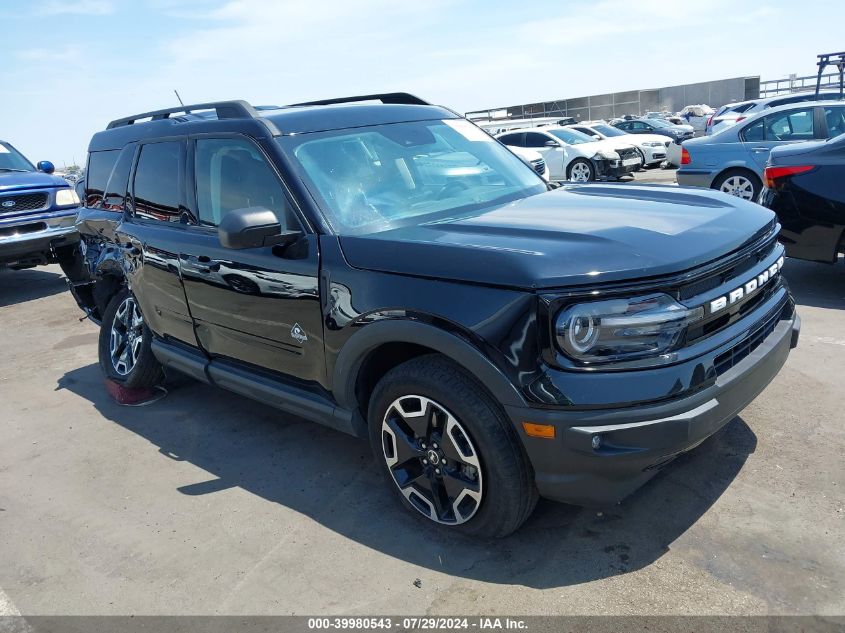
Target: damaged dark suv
[384,267]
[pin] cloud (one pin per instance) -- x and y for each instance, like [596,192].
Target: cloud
[77,7]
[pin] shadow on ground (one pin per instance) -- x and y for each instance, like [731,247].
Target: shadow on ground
[19,286]
[817,285]
[331,478]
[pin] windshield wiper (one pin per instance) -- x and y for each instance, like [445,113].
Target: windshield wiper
[12,169]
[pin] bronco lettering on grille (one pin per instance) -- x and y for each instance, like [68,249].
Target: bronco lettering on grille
[748,288]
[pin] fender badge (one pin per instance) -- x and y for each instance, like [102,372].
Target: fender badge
[297,333]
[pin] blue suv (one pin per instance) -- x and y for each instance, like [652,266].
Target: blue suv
[37,212]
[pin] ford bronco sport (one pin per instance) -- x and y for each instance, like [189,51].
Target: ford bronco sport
[382,266]
[37,212]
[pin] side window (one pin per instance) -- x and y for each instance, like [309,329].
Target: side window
[100,165]
[639,125]
[232,173]
[790,125]
[156,189]
[115,192]
[624,125]
[754,132]
[512,139]
[835,118]
[535,139]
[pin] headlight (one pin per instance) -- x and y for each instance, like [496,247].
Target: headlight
[607,155]
[623,329]
[67,198]
[652,144]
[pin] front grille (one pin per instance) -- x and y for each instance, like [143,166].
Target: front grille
[729,359]
[539,166]
[11,203]
[627,153]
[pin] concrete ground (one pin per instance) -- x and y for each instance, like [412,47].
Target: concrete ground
[207,503]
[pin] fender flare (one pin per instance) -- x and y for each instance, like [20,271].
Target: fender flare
[373,335]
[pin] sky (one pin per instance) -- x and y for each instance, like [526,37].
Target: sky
[69,67]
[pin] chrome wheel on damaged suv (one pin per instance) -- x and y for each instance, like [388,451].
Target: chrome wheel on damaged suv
[447,449]
[124,344]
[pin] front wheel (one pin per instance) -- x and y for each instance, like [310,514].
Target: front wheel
[447,450]
[125,350]
[580,170]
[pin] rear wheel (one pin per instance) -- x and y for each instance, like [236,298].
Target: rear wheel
[740,183]
[125,351]
[448,451]
[580,170]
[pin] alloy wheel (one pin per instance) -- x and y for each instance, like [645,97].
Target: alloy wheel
[432,459]
[738,186]
[580,172]
[126,336]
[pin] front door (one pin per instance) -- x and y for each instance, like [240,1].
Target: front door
[259,306]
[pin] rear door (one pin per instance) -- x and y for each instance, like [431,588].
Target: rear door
[151,234]
[779,128]
[259,306]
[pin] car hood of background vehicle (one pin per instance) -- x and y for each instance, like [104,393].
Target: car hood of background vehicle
[13,180]
[579,234]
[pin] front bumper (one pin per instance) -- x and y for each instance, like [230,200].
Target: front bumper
[653,154]
[615,168]
[33,237]
[637,441]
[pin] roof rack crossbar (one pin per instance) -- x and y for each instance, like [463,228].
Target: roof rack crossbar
[825,61]
[386,97]
[224,109]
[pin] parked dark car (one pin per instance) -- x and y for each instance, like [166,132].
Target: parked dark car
[494,337]
[677,133]
[37,212]
[804,187]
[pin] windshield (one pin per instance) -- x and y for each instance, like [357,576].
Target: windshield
[12,160]
[377,178]
[608,130]
[572,137]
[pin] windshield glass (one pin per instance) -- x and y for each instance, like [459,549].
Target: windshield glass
[12,160]
[377,178]
[608,130]
[572,137]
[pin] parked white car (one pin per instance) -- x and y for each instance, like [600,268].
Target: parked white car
[572,155]
[652,147]
[533,159]
[697,116]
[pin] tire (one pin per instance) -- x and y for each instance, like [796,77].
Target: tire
[581,169]
[642,166]
[136,370]
[741,183]
[429,410]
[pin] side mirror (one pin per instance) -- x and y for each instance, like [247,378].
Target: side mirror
[551,143]
[46,166]
[597,137]
[253,227]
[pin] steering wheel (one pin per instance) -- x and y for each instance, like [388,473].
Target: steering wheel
[454,186]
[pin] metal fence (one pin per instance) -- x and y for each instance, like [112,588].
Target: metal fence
[635,102]
[793,83]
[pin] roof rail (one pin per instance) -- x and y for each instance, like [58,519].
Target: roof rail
[386,97]
[225,110]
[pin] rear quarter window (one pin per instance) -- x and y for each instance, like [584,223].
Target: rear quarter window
[100,165]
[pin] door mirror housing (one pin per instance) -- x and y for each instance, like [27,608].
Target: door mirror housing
[253,227]
[551,143]
[597,137]
[46,166]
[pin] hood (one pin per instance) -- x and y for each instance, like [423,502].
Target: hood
[14,180]
[578,234]
[639,139]
[618,143]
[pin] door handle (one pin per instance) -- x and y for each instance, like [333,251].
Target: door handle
[759,149]
[200,263]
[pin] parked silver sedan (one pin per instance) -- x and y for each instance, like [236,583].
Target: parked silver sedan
[733,160]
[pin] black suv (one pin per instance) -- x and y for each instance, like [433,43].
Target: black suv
[390,270]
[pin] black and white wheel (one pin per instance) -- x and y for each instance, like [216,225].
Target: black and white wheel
[580,170]
[124,346]
[740,183]
[448,451]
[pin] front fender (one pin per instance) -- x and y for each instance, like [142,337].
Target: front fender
[374,334]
